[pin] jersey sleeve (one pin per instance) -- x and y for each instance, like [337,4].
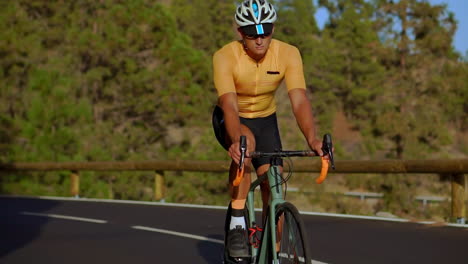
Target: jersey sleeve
[223,72]
[294,74]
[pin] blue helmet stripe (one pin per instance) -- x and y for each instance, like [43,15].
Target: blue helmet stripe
[255,8]
[260,29]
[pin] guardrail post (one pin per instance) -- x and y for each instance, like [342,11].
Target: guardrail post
[159,186]
[458,198]
[75,183]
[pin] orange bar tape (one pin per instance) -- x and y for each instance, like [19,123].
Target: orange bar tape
[323,171]
[239,177]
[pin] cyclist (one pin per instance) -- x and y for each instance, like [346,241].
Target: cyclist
[247,73]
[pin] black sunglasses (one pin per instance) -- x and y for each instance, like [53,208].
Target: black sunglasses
[256,36]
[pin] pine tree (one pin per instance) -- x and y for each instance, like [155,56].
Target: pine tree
[355,74]
[210,23]
[296,22]
[411,113]
[96,80]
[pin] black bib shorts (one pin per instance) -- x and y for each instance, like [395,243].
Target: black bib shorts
[264,129]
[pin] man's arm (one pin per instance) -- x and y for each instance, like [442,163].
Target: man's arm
[303,112]
[228,102]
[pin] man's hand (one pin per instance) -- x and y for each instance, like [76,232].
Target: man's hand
[234,152]
[316,145]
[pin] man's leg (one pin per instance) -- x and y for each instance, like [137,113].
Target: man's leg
[237,235]
[265,190]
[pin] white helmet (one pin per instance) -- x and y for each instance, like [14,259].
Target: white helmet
[254,12]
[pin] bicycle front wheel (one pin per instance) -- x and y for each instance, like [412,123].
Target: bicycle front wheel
[291,240]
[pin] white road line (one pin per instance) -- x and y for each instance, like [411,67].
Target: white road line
[174,233]
[67,217]
[318,262]
[81,199]
[356,216]
[301,259]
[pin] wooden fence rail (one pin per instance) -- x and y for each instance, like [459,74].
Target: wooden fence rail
[455,168]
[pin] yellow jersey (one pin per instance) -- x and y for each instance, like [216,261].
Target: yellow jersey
[255,82]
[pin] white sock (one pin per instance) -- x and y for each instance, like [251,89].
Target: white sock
[235,221]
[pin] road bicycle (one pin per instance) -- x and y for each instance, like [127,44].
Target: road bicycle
[283,238]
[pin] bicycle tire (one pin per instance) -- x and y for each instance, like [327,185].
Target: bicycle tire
[293,247]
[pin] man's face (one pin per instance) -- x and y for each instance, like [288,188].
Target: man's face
[257,45]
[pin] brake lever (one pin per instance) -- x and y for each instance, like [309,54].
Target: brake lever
[327,148]
[240,171]
[243,150]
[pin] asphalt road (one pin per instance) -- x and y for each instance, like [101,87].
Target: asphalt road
[80,231]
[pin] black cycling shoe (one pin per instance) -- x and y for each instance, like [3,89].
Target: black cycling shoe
[237,243]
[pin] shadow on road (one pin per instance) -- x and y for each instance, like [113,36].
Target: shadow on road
[211,252]
[17,229]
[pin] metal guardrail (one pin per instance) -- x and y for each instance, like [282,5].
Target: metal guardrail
[363,195]
[425,199]
[456,168]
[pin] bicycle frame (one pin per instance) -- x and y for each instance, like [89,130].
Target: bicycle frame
[275,180]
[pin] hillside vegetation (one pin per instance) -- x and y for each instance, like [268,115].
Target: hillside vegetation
[114,80]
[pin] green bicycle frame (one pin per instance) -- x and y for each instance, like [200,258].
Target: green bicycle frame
[269,231]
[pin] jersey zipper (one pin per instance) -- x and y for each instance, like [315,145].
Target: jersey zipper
[256,82]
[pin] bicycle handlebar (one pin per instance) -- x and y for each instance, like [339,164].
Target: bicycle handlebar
[283,154]
[327,148]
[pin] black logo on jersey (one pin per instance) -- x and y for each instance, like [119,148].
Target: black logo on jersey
[273,72]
